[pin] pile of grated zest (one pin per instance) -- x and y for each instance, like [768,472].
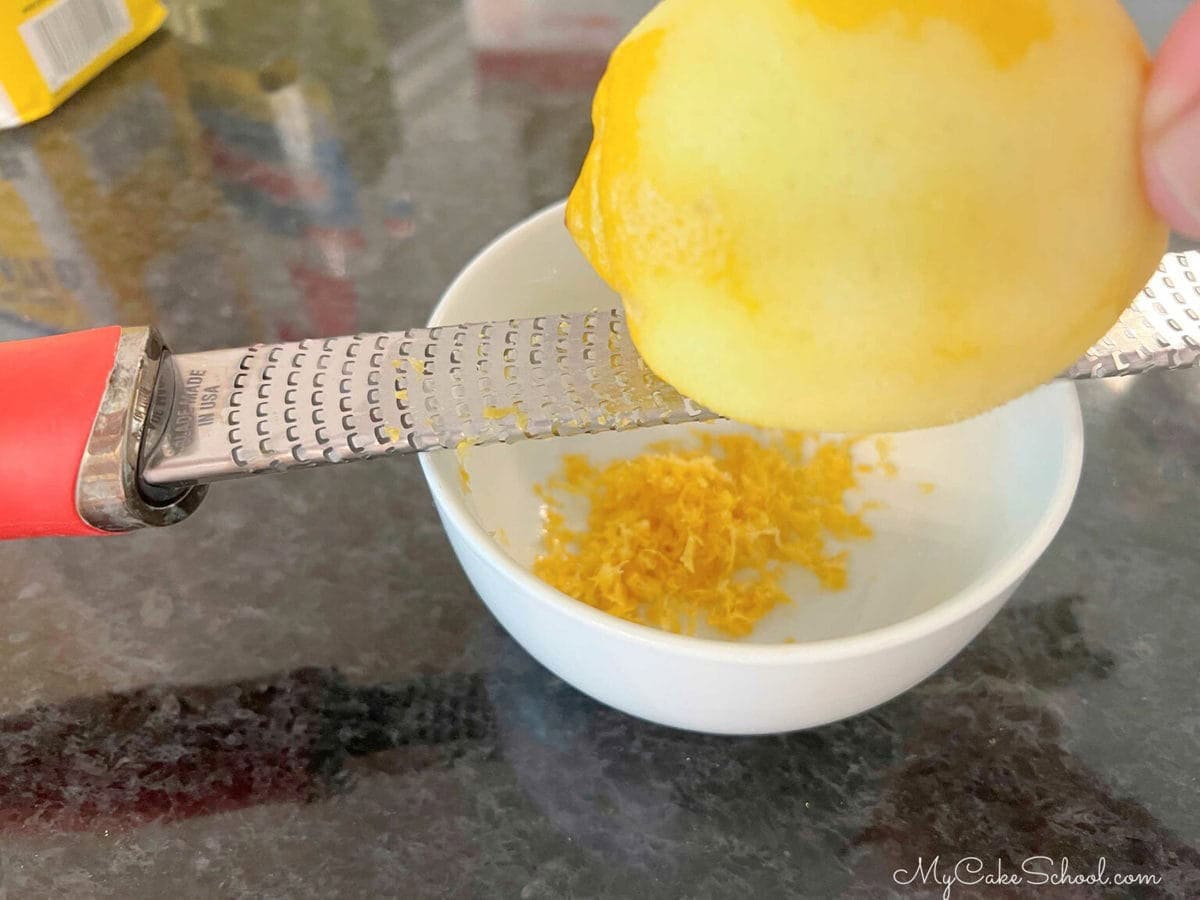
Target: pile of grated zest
[682,535]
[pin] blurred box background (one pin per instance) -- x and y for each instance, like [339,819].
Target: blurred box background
[550,43]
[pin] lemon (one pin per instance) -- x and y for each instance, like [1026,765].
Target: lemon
[873,215]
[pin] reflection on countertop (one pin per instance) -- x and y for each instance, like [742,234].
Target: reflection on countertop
[297,694]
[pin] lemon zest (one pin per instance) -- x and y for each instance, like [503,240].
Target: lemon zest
[460,451]
[684,534]
[502,412]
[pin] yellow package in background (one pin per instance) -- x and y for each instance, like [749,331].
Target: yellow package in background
[49,49]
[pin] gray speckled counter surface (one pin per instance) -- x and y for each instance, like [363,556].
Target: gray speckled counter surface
[296,694]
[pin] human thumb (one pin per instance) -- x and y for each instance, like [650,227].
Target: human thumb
[1172,127]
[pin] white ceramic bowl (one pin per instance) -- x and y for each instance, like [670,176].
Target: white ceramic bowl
[941,564]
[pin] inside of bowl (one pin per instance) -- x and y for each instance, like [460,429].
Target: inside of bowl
[992,478]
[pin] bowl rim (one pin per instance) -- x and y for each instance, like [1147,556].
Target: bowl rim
[991,583]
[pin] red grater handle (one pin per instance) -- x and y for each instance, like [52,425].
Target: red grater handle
[50,392]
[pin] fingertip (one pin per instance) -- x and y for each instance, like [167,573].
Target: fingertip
[1175,78]
[1173,185]
[1172,127]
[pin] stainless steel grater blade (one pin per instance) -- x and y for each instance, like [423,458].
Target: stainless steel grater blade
[273,407]
[1160,330]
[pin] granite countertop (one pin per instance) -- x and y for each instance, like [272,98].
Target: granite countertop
[296,694]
